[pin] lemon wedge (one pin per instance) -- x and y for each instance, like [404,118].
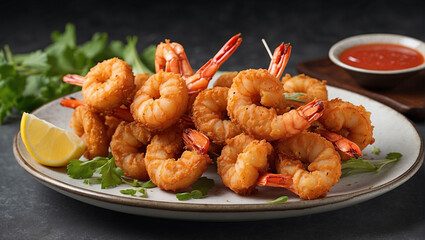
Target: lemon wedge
[48,144]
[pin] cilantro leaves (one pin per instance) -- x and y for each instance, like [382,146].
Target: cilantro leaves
[358,165]
[281,199]
[110,174]
[29,80]
[200,189]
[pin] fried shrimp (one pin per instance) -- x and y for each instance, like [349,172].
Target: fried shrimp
[323,166]
[210,115]
[173,174]
[161,101]
[242,161]
[312,88]
[171,57]
[252,100]
[90,127]
[140,79]
[128,147]
[348,120]
[225,79]
[108,85]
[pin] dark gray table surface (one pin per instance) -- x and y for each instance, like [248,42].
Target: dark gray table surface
[29,210]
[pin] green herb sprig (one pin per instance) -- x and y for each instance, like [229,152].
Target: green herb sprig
[281,199]
[132,192]
[110,174]
[376,150]
[200,189]
[294,96]
[359,165]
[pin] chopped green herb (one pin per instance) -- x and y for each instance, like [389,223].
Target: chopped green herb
[393,155]
[184,196]
[281,199]
[358,165]
[204,185]
[143,192]
[92,181]
[200,189]
[130,191]
[294,96]
[196,194]
[133,192]
[376,150]
[137,183]
[148,184]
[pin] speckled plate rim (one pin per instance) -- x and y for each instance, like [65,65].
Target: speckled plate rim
[219,212]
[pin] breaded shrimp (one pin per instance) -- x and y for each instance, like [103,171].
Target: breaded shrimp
[111,123]
[242,161]
[307,165]
[108,85]
[225,79]
[169,173]
[90,127]
[139,80]
[171,57]
[210,115]
[348,120]
[312,88]
[161,101]
[128,146]
[252,102]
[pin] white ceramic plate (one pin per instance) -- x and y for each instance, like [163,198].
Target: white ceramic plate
[393,133]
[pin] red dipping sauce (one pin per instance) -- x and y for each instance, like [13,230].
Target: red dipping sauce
[381,56]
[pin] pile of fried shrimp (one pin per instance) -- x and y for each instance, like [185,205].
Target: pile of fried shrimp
[267,130]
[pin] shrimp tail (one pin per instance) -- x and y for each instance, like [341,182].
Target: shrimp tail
[73,79]
[341,143]
[71,102]
[280,59]
[312,111]
[199,81]
[196,140]
[171,57]
[275,180]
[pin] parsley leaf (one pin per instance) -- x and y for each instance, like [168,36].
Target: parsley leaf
[131,192]
[201,188]
[376,150]
[281,199]
[294,96]
[358,165]
[110,174]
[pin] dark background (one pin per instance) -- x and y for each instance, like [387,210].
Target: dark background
[29,210]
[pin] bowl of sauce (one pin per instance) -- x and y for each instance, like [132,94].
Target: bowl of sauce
[379,61]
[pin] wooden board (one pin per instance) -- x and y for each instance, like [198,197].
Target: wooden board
[407,98]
